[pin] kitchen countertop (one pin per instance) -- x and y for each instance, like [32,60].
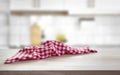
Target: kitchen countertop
[107,58]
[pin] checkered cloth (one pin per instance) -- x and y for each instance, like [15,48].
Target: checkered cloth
[46,49]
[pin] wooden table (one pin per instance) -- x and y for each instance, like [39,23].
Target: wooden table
[107,58]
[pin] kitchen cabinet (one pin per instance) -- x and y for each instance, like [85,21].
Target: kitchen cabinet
[20,4]
[38,7]
[79,6]
[37,4]
[93,7]
[4,5]
[52,4]
[108,5]
[76,5]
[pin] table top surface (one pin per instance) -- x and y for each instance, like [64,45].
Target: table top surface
[107,58]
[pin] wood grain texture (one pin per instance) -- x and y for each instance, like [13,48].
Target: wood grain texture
[60,73]
[107,58]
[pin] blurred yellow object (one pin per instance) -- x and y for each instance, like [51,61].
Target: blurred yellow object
[61,37]
[35,34]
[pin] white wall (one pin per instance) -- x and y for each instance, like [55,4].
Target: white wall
[103,30]
[3,30]
[3,22]
[19,31]
[110,29]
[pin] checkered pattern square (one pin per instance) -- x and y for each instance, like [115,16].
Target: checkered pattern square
[45,50]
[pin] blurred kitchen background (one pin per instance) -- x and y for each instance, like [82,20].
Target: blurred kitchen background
[78,22]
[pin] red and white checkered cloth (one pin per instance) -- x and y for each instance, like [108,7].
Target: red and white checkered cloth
[47,49]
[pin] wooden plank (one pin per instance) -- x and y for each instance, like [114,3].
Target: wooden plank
[35,12]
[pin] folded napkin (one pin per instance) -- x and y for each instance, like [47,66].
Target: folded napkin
[46,49]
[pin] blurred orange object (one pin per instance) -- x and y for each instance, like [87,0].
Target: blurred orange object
[35,34]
